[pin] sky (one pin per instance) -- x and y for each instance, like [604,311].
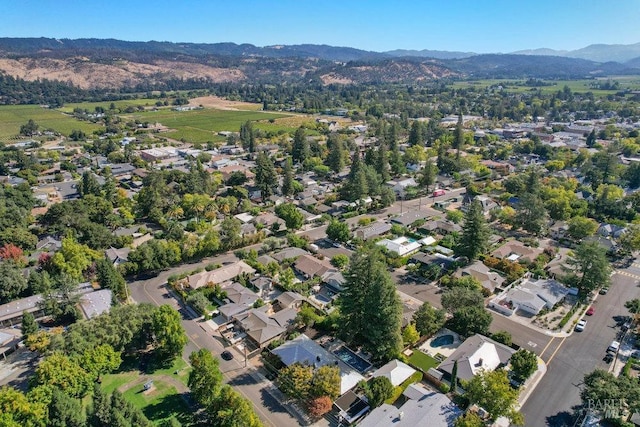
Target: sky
[480,26]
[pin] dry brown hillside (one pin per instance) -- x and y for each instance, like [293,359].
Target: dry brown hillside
[86,74]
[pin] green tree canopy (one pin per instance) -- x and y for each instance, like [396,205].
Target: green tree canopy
[338,231]
[205,379]
[12,281]
[591,265]
[475,233]
[370,298]
[428,319]
[459,297]
[378,390]
[230,409]
[523,364]
[266,177]
[471,320]
[292,217]
[492,391]
[169,335]
[60,371]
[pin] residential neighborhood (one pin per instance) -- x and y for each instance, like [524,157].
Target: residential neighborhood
[448,265]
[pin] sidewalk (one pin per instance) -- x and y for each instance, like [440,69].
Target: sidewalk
[530,385]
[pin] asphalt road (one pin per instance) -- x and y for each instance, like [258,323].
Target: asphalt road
[558,393]
[154,291]
[522,335]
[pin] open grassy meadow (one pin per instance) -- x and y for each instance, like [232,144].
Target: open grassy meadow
[164,400]
[203,125]
[577,86]
[14,116]
[121,105]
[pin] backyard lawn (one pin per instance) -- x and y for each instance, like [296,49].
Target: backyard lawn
[422,361]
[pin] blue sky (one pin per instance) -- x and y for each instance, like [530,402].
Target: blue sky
[463,25]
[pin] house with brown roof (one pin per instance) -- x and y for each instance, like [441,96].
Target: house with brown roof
[263,327]
[488,279]
[309,266]
[217,276]
[514,250]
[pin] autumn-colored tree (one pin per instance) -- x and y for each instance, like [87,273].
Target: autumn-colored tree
[320,406]
[11,252]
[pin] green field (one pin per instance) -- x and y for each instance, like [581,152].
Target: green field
[203,125]
[14,116]
[121,105]
[163,401]
[578,86]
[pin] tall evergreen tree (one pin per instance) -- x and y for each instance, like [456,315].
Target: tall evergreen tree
[531,214]
[266,176]
[458,140]
[454,376]
[591,265]
[591,139]
[29,325]
[248,137]
[300,149]
[415,134]
[382,162]
[475,232]
[370,298]
[337,153]
[428,175]
[287,179]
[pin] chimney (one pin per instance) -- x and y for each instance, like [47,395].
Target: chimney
[479,362]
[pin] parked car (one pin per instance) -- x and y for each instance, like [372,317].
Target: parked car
[580,325]
[439,192]
[603,291]
[590,311]
[608,358]
[613,347]
[226,355]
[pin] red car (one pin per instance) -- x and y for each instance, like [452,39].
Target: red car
[590,311]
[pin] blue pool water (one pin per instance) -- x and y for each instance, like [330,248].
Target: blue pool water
[352,359]
[442,340]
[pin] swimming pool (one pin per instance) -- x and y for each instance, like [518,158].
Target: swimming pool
[352,359]
[441,341]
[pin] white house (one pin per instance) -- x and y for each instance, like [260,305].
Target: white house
[401,245]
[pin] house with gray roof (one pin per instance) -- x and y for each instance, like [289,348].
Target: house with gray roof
[429,409]
[374,229]
[407,219]
[289,253]
[395,371]
[531,296]
[475,354]
[305,351]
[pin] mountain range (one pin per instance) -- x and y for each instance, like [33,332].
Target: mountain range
[111,63]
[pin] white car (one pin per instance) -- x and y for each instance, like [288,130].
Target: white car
[580,325]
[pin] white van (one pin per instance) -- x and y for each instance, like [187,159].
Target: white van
[613,347]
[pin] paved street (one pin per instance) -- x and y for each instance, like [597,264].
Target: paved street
[569,358]
[558,393]
[154,291]
[524,336]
